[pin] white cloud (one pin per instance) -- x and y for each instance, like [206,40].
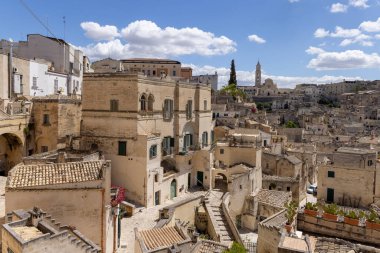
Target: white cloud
[338,7]
[350,59]
[359,3]
[97,32]
[351,36]
[361,39]
[370,26]
[377,36]
[144,38]
[321,33]
[293,1]
[255,38]
[314,50]
[247,77]
[345,33]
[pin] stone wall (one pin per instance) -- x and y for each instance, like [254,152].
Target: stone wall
[346,231]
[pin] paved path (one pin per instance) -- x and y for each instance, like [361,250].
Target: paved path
[145,218]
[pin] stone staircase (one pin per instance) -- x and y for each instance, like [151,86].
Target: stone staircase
[213,204]
[71,235]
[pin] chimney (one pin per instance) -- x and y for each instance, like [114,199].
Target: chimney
[69,142]
[61,158]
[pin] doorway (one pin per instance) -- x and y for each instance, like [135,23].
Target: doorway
[200,178]
[173,189]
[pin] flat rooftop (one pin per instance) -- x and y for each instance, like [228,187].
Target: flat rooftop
[27,233]
[359,151]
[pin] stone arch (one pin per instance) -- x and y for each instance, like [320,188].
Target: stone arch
[221,182]
[169,165]
[11,151]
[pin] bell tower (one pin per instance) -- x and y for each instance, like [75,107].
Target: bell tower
[258,75]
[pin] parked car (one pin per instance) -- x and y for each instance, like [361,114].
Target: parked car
[312,189]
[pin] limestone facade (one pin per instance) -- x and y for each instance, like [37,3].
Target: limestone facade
[75,193]
[55,118]
[348,167]
[150,128]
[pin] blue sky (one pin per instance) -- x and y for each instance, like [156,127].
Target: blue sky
[296,41]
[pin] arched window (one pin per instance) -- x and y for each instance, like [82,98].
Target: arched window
[143,103]
[204,139]
[150,102]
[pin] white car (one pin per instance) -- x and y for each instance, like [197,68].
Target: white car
[312,189]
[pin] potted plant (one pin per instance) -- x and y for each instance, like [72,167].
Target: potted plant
[291,211]
[341,215]
[311,209]
[351,218]
[331,212]
[373,221]
[362,218]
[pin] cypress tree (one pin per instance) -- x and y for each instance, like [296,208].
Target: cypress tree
[232,74]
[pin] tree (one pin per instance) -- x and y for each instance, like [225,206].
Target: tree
[291,124]
[232,74]
[236,248]
[234,91]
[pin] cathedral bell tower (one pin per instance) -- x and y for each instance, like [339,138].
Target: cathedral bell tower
[258,75]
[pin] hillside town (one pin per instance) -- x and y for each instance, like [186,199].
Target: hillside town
[140,155]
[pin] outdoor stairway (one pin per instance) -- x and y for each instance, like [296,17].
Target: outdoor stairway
[213,203]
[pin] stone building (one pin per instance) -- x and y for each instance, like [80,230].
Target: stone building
[346,168]
[56,118]
[35,231]
[153,67]
[75,193]
[64,58]
[150,128]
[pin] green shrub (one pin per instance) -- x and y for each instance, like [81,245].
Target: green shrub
[236,248]
[351,214]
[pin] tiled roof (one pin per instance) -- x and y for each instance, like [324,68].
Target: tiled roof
[274,198]
[293,159]
[279,179]
[277,220]
[330,245]
[206,246]
[52,174]
[160,237]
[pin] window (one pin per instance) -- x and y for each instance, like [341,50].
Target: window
[150,102]
[122,148]
[44,149]
[204,139]
[143,103]
[189,109]
[167,145]
[156,178]
[331,173]
[153,151]
[205,105]
[34,87]
[288,189]
[154,72]
[46,120]
[370,163]
[174,73]
[221,151]
[187,141]
[168,109]
[148,72]
[114,105]
[56,86]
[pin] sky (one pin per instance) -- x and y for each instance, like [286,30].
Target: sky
[296,41]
